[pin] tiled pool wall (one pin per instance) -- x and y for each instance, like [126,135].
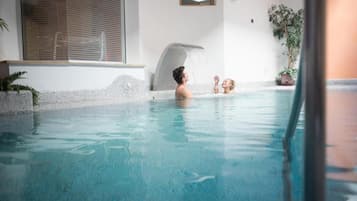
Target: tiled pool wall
[123,89]
[13,102]
[77,86]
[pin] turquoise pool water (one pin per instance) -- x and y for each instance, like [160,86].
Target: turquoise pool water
[218,148]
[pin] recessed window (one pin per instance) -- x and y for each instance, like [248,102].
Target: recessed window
[197,2]
[73,30]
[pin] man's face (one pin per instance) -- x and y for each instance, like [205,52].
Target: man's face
[185,76]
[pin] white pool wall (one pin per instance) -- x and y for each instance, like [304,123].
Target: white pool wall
[73,78]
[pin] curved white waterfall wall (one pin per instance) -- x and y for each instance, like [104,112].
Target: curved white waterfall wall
[174,55]
[196,65]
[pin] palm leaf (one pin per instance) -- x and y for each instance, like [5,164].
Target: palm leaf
[11,78]
[35,93]
[6,84]
[3,25]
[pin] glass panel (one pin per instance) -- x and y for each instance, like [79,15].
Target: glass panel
[197,2]
[94,30]
[72,29]
[44,25]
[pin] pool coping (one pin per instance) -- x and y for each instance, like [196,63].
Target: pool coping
[346,85]
[170,94]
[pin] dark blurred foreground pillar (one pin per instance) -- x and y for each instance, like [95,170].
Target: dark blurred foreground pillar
[314,84]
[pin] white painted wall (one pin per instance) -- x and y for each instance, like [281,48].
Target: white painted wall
[163,22]
[234,47]
[10,44]
[295,4]
[251,53]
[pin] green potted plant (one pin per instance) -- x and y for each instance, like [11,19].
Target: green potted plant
[3,25]
[287,26]
[7,84]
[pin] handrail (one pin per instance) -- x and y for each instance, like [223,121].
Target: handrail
[290,130]
[314,84]
[312,66]
[297,104]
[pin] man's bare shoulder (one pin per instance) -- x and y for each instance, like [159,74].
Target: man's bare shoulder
[183,92]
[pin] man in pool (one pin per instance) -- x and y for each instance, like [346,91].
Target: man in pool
[181,79]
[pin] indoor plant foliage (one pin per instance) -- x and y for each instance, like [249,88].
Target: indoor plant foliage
[287,26]
[7,84]
[3,25]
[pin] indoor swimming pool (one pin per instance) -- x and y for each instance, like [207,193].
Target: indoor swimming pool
[225,148]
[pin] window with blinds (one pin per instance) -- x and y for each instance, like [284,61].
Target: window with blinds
[197,2]
[72,30]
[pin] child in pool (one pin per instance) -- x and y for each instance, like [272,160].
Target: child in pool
[216,81]
[228,85]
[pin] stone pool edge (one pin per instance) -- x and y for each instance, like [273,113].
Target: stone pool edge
[136,92]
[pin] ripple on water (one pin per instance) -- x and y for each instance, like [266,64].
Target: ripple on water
[222,148]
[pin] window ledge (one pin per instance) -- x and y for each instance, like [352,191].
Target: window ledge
[69,63]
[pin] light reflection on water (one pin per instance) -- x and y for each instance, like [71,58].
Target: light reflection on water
[222,148]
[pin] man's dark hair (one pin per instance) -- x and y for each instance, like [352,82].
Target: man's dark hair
[178,74]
